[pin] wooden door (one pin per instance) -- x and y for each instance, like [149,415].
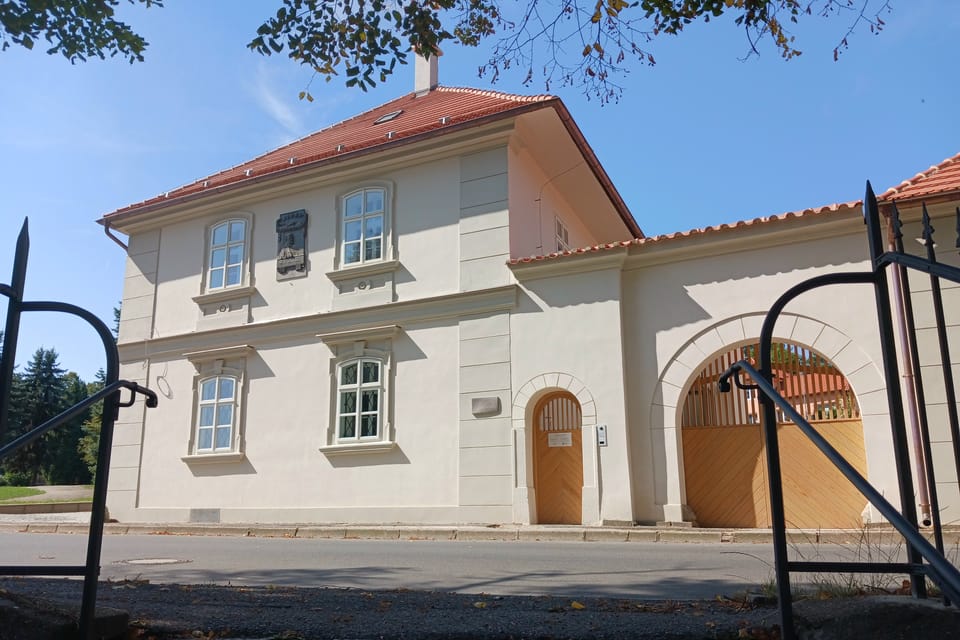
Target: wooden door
[558,460]
[724,456]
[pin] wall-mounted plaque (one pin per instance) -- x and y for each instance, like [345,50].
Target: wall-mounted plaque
[292,245]
[560,439]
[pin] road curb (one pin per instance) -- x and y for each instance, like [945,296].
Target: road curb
[479,533]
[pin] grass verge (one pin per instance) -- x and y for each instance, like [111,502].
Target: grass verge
[12,493]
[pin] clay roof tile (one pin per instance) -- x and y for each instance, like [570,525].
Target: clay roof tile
[444,107]
[939,179]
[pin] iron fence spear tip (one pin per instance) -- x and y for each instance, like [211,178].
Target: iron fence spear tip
[896,222]
[927,227]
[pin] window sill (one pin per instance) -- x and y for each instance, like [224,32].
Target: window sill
[226,294]
[363,270]
[214,458]
[359,447]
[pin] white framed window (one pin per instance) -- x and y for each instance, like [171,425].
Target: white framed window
[361,379]
[360,395]
[563,235]
[363,225]
[216,414]
[227,250]
[219,388]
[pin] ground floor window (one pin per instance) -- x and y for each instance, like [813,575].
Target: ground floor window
[216,413]
[359,399]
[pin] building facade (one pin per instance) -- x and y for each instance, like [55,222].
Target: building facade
[441,311]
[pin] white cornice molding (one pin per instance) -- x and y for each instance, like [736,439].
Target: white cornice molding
[219,353]
[309,326]
[225,295]
[214,458]
[386,332]
[359,447]
[363,270]
[600,260]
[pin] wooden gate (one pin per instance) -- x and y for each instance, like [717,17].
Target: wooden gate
[723,451]
[558,459]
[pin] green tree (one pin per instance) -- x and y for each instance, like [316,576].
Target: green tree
[62,462]
[37,394]
[565,42]
[586,44]
[75,29]
[89,444]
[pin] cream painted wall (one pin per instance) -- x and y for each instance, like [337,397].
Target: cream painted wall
[426,209]
[287,409]
[534,203]
[570,326]
[681,314]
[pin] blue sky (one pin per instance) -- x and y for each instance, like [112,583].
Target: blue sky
[701,138]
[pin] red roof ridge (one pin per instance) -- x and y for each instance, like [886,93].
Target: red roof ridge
[916,186]
[489,93]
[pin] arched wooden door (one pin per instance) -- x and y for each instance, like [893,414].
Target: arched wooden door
[724,457]
[558,459]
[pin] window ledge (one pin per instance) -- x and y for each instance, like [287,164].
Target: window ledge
[364,269]
[214,458]
[359,447]
[226,294]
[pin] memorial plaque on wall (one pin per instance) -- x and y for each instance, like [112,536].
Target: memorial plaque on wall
[292,245]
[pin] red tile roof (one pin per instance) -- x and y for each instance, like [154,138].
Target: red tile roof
[832,209]
[442,110]
[939,179]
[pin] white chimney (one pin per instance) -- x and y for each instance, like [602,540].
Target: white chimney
[425,73]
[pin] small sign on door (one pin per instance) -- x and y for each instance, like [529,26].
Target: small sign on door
[560,439]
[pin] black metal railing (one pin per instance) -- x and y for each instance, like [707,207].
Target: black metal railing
[110,394]
[923,559]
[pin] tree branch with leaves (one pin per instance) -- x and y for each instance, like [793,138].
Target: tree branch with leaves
[589,44]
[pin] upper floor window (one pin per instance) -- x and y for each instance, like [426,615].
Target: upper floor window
[563,235]
[227,251]
[362,239]
[216,414]
[359,400]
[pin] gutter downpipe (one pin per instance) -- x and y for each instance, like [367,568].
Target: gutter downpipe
[106,230]
[910,383]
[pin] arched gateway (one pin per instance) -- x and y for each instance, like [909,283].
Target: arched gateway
[723,451]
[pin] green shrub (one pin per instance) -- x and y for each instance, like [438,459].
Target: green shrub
[17,479]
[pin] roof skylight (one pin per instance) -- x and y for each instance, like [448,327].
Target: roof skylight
[388,117]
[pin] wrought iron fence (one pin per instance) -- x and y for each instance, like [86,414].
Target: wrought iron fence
[111,397]
[923,558]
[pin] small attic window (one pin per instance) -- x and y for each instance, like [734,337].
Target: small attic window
[388,117]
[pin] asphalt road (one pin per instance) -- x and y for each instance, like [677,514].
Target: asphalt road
[636,570]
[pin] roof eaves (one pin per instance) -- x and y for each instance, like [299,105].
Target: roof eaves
[598,171]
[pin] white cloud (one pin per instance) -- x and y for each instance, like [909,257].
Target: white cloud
[275,102]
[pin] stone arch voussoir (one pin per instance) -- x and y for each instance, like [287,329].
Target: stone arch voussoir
[544,383]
